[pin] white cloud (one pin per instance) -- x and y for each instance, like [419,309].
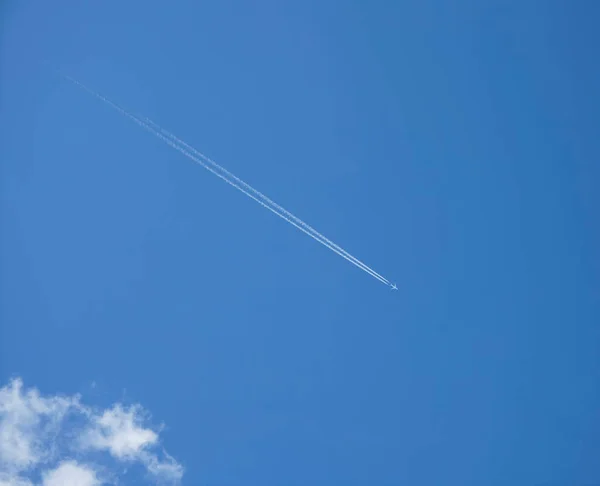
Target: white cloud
[118,431]
[169,469]
[13,480]
[28,424]
[41,436]
[70,473]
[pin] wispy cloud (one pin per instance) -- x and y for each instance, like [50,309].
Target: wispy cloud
[57,440]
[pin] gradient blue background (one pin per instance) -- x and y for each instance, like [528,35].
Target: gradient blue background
[453,146]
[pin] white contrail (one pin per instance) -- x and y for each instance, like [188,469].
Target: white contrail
[316,236]
[262,196]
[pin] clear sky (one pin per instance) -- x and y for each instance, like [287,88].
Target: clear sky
[452,146]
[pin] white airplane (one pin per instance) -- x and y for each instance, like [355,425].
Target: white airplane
[394,287]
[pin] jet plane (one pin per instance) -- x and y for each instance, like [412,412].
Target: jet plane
[394,287]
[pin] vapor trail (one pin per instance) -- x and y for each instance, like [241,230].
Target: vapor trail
[263,197]
[316,236]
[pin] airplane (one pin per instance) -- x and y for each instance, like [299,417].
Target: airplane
[394,287]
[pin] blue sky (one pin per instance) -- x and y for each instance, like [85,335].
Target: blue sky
[452,146]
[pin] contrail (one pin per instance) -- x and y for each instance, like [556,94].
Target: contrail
[241,186]
[262,196]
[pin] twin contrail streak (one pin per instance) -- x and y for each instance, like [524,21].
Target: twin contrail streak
[193,154]
[266,199]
